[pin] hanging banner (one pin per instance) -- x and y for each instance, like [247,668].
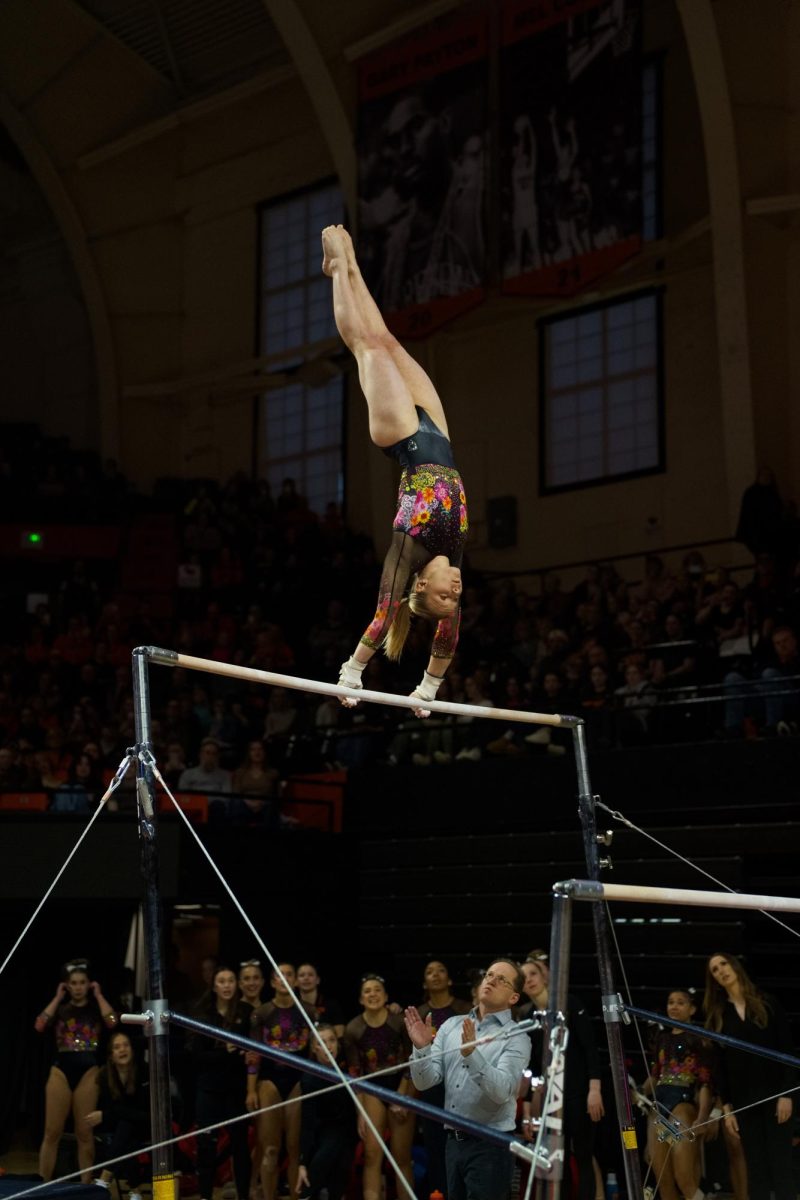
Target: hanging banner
[570,142]
[422,126]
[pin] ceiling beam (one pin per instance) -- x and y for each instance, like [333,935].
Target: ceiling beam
[411,21]
[185,114]
[322,92]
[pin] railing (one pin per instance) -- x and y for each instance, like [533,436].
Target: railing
[311,801]
[661,552]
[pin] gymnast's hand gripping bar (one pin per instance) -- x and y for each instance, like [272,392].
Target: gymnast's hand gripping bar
[172,658]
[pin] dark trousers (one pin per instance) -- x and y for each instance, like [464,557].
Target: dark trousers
[579,1139]
[124,1138]
[221,1106]
[434,1135]
[330,1161]
[768,1151]
[477,1170]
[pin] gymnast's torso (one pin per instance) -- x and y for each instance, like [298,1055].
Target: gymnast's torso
[431,519]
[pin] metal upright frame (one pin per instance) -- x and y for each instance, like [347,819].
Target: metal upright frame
[611,1002]
[156,1004]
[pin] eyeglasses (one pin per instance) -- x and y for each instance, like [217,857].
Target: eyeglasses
[369,978]
[493,977]
[250,962]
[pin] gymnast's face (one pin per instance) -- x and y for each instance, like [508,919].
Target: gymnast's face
[680,1006]
[437,977]
[440,585]
[307,977]
[373,995]
[78,987]
[251,981]
[225,985]
[289,975]
[331,1041]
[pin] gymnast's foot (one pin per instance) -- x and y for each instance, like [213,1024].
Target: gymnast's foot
[334,248]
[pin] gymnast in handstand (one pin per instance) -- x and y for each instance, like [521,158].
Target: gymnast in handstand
[422,570]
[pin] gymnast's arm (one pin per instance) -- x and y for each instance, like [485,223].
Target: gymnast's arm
[403,558]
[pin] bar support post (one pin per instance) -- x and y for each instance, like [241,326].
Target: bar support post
[612,1009]
[155,1030]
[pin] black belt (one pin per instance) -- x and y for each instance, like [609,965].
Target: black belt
[461,1135]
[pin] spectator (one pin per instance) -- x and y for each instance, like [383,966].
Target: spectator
[75,646]
[310,992]
[761,515]
[122,1113]
[782,711]
[173,765]
[377,1038]
[582,1097]
[255,777]
[281,716]
[551,699]
[327,1131]
[596,706]
[329,640]
[281,1024]
[636,698]
[81,789]
[208,776]
[13,775]
[471,733]
[756,1091]
[674,660]
[725,617]
[77,1014]
[30,735]
[220,1080]
[440,1002]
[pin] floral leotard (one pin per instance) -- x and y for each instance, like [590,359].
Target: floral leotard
[431,519]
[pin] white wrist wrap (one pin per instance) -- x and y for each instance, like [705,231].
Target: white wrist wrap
[350,673]
[429,687]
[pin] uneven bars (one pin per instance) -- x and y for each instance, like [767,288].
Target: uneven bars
[171,658]
[588,889]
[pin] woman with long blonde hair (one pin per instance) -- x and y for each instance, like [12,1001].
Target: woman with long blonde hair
[754,1090]
[422,570]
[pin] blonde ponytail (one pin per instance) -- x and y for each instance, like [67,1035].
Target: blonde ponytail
[414,603]
[398,631]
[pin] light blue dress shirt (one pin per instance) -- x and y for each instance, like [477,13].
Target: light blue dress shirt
[483,1085]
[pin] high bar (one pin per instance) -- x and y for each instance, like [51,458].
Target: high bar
[588,889]
[172,658]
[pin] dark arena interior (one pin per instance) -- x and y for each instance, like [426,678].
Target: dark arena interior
[250,250]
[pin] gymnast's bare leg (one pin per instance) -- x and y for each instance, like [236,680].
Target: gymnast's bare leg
[391,380]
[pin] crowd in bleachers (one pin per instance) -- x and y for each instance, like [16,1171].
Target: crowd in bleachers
[261,581]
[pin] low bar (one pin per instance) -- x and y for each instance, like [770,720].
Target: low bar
[171,658]
[388,1095]
[789,1060]
[589,889]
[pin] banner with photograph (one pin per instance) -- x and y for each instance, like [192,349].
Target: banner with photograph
[570,142]
[422,125]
